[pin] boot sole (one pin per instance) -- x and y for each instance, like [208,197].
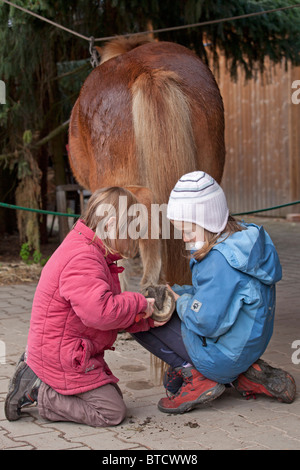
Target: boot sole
[12,412]
[206,397]
[277,382]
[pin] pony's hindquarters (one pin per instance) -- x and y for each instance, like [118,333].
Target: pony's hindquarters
[149,114]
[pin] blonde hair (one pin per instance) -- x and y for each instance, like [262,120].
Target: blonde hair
[110,197]
[211,239]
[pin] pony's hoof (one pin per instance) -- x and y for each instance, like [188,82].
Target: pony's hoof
[164,305]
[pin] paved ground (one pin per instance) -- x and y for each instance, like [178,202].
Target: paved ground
[231,422]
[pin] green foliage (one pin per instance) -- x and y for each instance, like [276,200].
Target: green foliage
[27,137]
[246,42]
[249,41]
[30,256]
[25,252]
[31,52]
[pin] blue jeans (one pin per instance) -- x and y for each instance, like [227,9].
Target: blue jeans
[165,342]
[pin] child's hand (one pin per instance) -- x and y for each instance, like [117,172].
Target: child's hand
[148,310]
[150,307]
[176,296]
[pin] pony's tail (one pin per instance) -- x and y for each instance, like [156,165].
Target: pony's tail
[165,148]
[120,45]
[163,130]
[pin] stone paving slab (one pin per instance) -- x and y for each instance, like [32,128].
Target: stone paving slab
[229,423]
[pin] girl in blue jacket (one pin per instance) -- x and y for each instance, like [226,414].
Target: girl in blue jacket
[225,318]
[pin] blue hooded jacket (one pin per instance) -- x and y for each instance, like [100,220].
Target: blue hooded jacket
[228,313]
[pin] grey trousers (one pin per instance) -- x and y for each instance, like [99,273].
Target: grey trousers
[101,407]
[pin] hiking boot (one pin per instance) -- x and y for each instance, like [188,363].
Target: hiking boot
[262,379]
[23,391]
[195,389]
[172,380]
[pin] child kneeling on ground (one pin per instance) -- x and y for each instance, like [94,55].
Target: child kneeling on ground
[77,311]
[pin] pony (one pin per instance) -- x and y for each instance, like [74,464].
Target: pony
[149,113]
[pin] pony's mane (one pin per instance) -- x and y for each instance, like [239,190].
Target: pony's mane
[120,45]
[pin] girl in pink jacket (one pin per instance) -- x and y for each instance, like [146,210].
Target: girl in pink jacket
[77,311]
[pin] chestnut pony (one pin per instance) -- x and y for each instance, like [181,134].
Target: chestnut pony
[149,113]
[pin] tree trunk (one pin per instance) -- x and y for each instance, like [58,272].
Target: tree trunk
[57,146]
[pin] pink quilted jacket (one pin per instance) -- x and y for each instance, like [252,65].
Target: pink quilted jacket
[77,311]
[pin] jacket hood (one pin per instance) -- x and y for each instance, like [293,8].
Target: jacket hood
[252,252]
[82,228]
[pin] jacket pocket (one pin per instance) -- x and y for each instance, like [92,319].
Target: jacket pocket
[81,355]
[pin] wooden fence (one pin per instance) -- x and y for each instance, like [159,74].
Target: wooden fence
[262,140]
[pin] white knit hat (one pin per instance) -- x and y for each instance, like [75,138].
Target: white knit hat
[198,198]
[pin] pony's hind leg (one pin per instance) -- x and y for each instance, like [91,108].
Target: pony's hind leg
[153,283]
[150,251]
[150,248]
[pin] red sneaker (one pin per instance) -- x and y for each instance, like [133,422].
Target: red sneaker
[262,379]
[196,389]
